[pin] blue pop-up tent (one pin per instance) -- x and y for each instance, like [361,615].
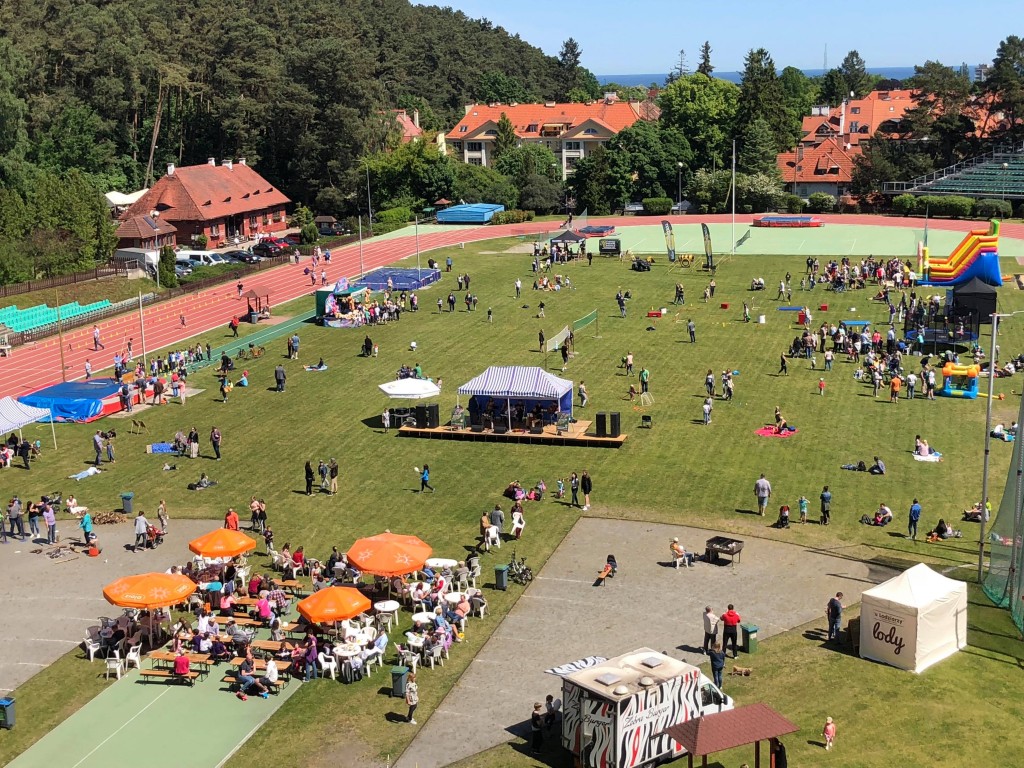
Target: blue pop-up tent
[517,384]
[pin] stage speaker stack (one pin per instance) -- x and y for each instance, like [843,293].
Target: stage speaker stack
[537,429]
[433,416]
[500,429]
[615,424]
[421,416]
[602,424]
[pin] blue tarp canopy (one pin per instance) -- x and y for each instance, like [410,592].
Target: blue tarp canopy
[73,400]
[470,213]
[517,385]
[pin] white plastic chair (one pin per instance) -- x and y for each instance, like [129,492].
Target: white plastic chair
[329,666]
[474,574]
[463,582]
[114,664]
[436,654]
[134,657]
[406,657]
[92,647]
[491,536]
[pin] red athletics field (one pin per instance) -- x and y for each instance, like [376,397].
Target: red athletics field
[38,365]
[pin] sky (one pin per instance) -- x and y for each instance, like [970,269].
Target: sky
[644,36]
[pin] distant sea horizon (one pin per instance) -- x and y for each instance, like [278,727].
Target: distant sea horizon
[889,73]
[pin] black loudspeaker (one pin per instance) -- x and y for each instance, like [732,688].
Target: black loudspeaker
[615,425]
[433,416]
[602,424]
[421,416]
[478,428]
[537,429]
[500,429]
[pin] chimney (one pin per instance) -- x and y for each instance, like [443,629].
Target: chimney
[226,163]
[469,108]
[211,161]
[170,169]
[842,117]
[416,118]
[241,161]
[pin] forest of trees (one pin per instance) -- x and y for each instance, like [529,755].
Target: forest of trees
[97,96]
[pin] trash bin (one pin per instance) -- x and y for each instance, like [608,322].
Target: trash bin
[501,577]
[749,638]
[254,317]
[399,676]
[7,713]
[127,502]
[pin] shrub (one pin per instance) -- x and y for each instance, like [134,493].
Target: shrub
[794,204]
[200,241]
[905,205]
[514,216]
[309,233]
[991,209]
[399,215]
[657,206]
[821,202]
[957,207]
[849,205]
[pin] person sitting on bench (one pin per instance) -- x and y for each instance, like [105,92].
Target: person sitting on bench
[182,665]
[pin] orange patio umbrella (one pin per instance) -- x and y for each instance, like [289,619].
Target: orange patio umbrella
[333,604]
[389,554]
[222,543]
[149,590]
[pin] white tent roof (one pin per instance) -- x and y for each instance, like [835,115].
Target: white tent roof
[15,415]
[116,198]
[914,620]
[516,381]
[410,389]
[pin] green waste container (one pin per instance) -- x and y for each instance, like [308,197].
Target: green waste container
[399,676]
[749,638]
[501,577]
[128,502]
[7,713]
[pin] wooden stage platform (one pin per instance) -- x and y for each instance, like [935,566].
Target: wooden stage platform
[549,436]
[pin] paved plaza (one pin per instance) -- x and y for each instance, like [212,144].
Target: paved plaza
[562,617]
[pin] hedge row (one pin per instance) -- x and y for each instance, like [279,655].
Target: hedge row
[512,217]
[657,206]
[953,206]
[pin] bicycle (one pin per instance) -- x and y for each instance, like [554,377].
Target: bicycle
[518,571]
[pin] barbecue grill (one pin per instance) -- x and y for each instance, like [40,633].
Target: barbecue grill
[717,546]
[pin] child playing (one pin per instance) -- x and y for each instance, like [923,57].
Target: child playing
[802,504]
[560,493]
[829,732]
[821,387]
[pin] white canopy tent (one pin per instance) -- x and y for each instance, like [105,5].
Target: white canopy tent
[117,199]
[410,389]
[914,620]
[15,415]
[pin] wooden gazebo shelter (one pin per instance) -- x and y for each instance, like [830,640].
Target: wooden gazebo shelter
[751,724]
[257,297]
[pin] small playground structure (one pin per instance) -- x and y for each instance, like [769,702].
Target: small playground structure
[792,221]
[977,256]
[959,381]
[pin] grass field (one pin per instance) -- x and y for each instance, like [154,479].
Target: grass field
[679,471]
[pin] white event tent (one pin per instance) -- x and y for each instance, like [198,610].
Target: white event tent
[914,620]
[15,415]
[410,389]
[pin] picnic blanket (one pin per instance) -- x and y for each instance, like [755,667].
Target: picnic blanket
[770,432]
[315,368]
[934,458]
[160,448]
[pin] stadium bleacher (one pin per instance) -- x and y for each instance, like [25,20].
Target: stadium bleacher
[43,315]
[1002,175]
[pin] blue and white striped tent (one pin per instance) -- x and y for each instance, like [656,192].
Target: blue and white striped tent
[517,384]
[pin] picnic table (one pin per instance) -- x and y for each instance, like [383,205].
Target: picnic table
[202,660]
[289,585]
[273,646]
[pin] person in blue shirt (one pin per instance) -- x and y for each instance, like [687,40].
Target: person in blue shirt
[915,515]
[826,505]
[425,479]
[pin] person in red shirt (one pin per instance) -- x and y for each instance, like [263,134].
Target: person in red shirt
[231,519]
[181,664]
[730,622]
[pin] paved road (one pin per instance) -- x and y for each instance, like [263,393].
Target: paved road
[562,617]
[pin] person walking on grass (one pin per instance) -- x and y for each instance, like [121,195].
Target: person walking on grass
[717,656]
[215,438]
[310,475]
[425,479]
[829,733]
[583,394]
[412,697]
[834,613]
[826,505]
[332,472]
[914,517]
[783,365]
[385,419]
[730,623]
[586,485]
[574,488]
[763,492]
[691,327]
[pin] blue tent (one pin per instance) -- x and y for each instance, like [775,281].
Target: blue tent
[470,213]
[506,387]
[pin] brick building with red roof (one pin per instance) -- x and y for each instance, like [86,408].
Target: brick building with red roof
[149,232]
[220,201]
[570,131]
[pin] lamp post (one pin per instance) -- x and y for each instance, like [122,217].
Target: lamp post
[679,187]
[1006,167]
[369,202]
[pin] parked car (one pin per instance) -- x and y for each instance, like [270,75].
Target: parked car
[293,240]
[246,257]
[182,271]
[207,259]
[275,241]
[332,230]
[266,249]
[684,207]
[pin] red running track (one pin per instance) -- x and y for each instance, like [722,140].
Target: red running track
[37,365]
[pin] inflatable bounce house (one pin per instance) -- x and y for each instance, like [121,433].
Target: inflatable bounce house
[977,256]
[959,381]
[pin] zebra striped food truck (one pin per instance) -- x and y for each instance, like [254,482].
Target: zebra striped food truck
[615,711]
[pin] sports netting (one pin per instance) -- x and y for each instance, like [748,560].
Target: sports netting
[1004,581]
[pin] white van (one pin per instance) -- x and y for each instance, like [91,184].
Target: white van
[200,258]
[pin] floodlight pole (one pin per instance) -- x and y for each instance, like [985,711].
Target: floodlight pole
[417,248]
[60,342]
[734,197]
[142,327]
[360,247]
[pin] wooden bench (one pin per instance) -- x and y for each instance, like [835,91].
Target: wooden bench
[605,573]
[282,682]
[167,674]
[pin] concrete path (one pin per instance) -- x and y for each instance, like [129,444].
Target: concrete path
[561,617]
[49,604]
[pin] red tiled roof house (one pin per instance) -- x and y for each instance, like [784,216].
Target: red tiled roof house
[570,131]
[220,201]
[148,232]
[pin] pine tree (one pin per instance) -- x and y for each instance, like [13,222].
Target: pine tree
[761,95]
[834,88]
[705,67]
[679,70]
[757,149]
[505,139]
[855,73]
[569,66]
